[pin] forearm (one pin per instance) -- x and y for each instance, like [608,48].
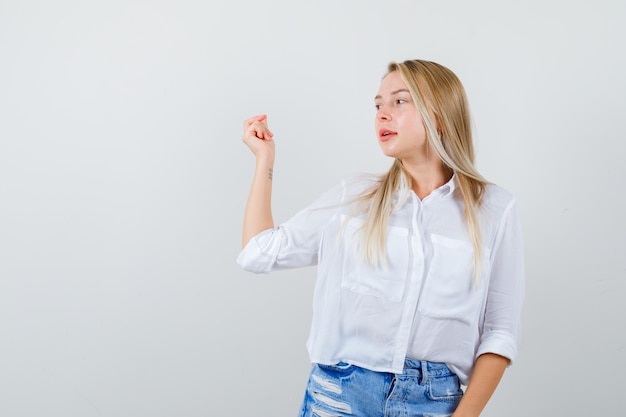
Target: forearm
[488,371]
[258,213]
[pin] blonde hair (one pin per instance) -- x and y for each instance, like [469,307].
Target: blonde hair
[442,103]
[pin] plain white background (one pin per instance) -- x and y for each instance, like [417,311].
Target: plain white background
[123,181]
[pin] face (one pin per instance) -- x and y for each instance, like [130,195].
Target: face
[401,133]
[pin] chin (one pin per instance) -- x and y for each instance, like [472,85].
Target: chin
[384,149]
[389,153]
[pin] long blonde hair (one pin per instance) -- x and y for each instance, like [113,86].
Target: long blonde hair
[442,103]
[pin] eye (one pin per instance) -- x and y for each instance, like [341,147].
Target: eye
[400,101]
[378,106]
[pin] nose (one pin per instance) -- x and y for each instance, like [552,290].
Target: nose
[383,114]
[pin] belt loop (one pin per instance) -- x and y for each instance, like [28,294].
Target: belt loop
[425,376]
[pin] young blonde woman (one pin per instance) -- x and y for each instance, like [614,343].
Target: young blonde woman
[420,271]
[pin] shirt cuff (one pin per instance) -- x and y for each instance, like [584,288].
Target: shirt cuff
[498,342]
[259,254]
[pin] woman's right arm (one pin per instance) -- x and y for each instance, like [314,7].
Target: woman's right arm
[258,213]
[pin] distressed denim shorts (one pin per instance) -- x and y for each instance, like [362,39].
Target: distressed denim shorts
[424,388]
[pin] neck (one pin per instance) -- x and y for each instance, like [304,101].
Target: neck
[427,176]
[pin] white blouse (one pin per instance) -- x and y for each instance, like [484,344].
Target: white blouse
[425,303]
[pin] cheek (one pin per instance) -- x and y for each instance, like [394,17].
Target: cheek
[418,127]
[421,129]
[412,124]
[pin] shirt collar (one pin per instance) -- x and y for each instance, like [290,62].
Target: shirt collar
[444,191]
[449,187]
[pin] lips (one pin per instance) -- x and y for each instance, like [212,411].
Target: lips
[386,134]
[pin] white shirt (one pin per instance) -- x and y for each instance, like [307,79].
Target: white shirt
[425,303]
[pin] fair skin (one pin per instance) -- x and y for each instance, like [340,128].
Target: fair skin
[401,135]
[258,213]
[488,371]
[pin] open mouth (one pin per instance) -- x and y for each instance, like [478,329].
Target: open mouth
[385,134]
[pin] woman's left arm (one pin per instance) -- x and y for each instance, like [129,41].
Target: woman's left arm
[488,371]
[501,326]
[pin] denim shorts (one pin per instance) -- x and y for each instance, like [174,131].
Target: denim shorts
[423,389]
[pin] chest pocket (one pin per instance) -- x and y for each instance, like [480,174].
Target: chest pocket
[386,282]
[449,291]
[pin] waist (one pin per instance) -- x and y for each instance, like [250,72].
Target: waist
[425,368]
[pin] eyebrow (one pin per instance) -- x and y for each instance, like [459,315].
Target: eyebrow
[394,92]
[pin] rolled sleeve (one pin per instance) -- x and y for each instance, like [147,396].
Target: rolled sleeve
[295,243]
[501,330]
[259,255]
[499,342]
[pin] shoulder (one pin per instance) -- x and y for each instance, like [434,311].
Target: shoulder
[360,183]
[497,204]
[346,191]
[500,215]
[497,198]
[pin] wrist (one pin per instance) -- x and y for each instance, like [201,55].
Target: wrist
[265,168]
[265,160]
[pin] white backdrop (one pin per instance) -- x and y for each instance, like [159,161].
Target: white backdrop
[123,181]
